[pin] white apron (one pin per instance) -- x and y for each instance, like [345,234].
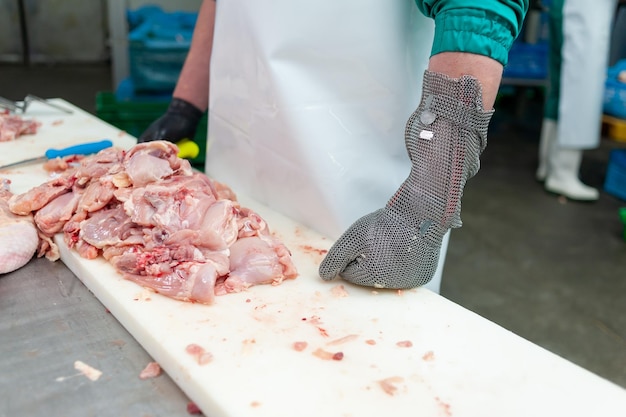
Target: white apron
[308,104]
[585,51]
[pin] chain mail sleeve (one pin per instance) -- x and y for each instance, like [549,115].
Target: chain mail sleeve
[398,246]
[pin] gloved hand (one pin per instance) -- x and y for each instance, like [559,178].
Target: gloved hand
[398,246]
[180,121]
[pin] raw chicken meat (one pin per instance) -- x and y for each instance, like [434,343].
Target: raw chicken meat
[18,235]
[13,126]
[152,370]
[159,223]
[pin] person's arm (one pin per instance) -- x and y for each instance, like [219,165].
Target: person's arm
[486,27]
[486,70]
[398,246]
[193,82]
[474,38]
[191,95]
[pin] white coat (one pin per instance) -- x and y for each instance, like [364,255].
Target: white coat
[585,53]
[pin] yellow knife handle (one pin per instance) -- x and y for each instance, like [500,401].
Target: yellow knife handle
[188,149]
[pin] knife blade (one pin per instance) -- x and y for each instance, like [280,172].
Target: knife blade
[80,149]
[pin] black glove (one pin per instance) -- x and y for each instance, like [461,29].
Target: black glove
[180,121]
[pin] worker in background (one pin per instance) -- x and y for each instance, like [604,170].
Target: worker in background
[301,119]
[579,51]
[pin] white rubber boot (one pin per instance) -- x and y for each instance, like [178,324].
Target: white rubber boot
[546,142]
[562,178]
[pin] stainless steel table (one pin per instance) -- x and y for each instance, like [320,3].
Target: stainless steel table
[49,320]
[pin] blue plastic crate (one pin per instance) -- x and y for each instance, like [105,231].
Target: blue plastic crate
[158,48]
[615,92]
[527,61]
[615,181]
[137,16]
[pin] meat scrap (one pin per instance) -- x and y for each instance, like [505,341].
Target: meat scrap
[444,406]
[389,385]
[55,165]
[299,346]
[158,223]
[429,356]
[343,340]
[193,409]
[13,126]
[202,356]
[339,291]
[152,370]
[324,354]
[88,371]
[59,164]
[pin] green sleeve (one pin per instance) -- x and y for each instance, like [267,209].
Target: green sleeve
[486,27]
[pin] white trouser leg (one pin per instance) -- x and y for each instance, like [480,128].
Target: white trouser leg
[546,142]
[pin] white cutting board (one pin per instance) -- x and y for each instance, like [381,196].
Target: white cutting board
[457,364]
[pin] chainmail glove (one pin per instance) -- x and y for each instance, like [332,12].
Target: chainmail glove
[398,246]
[179,122]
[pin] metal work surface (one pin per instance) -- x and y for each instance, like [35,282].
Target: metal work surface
[49,321]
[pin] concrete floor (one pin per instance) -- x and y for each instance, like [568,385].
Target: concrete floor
[550,270]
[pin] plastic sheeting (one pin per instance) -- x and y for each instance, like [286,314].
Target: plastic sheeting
[309,101]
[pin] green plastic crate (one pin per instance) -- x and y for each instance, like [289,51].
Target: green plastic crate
[134,117]
[622,215]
